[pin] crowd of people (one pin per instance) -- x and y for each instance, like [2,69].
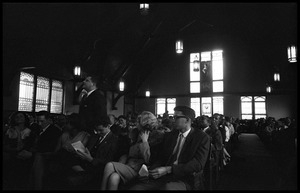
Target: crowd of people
[44,151]
[280,137]
[93,150]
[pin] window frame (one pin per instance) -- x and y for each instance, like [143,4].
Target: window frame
[34,97]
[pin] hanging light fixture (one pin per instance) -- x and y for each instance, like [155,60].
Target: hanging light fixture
[147,93]
[269,89]
[179,46]
[121,85]
[196,64]
[144,8]
[77,71]
[292,53]
[276,77]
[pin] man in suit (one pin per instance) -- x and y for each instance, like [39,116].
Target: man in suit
[43,149]
[183,153]
[92,105]
[101,149]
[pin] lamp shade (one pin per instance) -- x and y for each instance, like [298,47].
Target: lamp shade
[77,71]
[121,85]
[292,53]
[269,89]
[179,46]
[276,77]
[147,93]
[144,8]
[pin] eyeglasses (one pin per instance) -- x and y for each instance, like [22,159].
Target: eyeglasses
[176,117]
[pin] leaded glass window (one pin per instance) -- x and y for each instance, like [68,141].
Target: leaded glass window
[26,89]
[42,94]
[56,97]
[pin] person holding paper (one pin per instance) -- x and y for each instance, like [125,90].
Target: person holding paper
[129,165]
[73,134]
[100,149]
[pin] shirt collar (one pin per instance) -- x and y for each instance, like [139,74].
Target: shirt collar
[90,92]
[43,130]
[185,133]
[205,128]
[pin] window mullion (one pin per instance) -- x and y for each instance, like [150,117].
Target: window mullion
[34,93]
[49,95]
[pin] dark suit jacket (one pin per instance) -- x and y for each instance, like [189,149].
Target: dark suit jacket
[193,155]
[92,108]
[105,152]
[47,141]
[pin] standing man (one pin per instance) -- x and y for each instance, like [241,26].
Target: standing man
[93,104]
[183,154]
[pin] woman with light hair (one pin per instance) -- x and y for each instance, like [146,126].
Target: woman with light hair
[129,165]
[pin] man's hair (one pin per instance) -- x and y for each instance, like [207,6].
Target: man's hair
[43,113]
[104,121]
[95,79]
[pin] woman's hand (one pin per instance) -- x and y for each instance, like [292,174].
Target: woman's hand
[144,135]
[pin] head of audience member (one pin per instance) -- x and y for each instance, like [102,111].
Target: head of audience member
[112,119]
[147,121]
[169,124]
[122,121]
[43,119]
[102,126]
[184,116]
[227,120]
[159,120]
[19,118]
[204,122]
[287,121]
[216,118]
[32,118]
[90,83]
[61,121]
[73,124]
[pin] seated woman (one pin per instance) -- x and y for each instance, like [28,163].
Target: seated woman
[15,162]
[139,153]
[72,134]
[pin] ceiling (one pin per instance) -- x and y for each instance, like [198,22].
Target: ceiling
[113,40]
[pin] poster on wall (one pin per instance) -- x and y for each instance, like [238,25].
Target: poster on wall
[206,76]
[206,108]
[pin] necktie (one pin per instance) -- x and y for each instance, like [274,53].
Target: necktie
[176,150]
[83,98]
[95,147]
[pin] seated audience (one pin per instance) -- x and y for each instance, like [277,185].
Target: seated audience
[101,149]
[139,154]
[15,142]
[183,153]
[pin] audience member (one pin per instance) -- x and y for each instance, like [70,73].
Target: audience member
[101,149]
[139,154]
[183,153]
[93,104]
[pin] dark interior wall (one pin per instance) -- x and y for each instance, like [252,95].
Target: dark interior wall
[145,104]
[279,106]
[232,106]
[245,73]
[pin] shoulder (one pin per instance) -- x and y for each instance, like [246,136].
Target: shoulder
[198,133]
[97,93]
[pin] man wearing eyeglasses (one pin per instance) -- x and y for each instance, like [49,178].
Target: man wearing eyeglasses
[183,153]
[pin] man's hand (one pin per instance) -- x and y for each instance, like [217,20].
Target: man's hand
[159,172]
[85,155]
